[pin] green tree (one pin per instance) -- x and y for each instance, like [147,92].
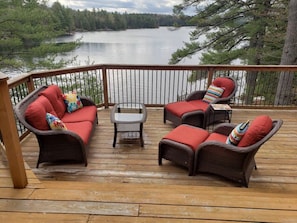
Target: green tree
[28,36]
[63,18]
[226,30]
[289,56]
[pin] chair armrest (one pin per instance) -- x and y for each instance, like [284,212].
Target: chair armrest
[196,95]
[224,128]
[221,147]
[86,101]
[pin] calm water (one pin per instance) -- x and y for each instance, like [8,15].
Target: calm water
[134,46]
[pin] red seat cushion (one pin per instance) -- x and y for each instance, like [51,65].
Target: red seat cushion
[226,83]
[83,129]
[216,137]
[54,94]
[181,107]
[188,135]
[86,113]
[257,130]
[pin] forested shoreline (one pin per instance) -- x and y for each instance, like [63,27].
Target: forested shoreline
[97,19]
[29,29]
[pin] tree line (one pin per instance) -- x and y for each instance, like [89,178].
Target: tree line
[29,29]
[97,19]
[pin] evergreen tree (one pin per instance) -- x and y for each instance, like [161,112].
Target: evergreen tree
[226,30]
[286,85]
[28,36]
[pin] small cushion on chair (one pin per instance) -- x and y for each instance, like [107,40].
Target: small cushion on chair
[72,101]
[237,133]
[188,135]
[54,122]
[257,130]
[212,93]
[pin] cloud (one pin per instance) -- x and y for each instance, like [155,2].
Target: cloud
[129,6]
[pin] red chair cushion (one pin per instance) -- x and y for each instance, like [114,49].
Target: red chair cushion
[181,107]
[226,83]
[83,129]
[35,113]
[188,135]
[55,96]
[258,129]
[86,113]
[216,137]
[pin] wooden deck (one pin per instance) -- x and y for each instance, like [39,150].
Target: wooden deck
[125,184]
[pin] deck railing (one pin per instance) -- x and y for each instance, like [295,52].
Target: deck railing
[157,85]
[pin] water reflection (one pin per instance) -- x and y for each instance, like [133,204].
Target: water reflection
[136,46]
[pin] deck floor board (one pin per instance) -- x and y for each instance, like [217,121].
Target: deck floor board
[126,184]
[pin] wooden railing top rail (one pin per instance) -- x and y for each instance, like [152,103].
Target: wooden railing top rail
[163,67]
[108,72]
[25,77]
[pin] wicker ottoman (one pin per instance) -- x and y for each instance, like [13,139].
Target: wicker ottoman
[180,144]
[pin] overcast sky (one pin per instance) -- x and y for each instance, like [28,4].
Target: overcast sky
[129,6]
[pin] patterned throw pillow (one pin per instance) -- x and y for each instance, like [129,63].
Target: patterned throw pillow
[212,93]
[237,133]
[54,122]
[72,101]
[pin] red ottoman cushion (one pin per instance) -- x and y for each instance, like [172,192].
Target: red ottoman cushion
[188,135]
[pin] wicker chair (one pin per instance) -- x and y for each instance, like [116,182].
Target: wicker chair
[203,152]
[195,111]
[232,162]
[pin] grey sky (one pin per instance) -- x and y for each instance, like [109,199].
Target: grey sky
[129,6]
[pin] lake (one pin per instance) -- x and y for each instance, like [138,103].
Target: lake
[132,46]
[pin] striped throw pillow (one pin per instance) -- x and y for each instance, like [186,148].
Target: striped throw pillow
[237,133]
[212,93]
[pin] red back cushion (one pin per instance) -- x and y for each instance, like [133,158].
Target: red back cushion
[257,130]
[55,96]
[226,83]
[35,114]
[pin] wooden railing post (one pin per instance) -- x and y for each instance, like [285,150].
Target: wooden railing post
[105,86]
[210,76]
[10,137]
